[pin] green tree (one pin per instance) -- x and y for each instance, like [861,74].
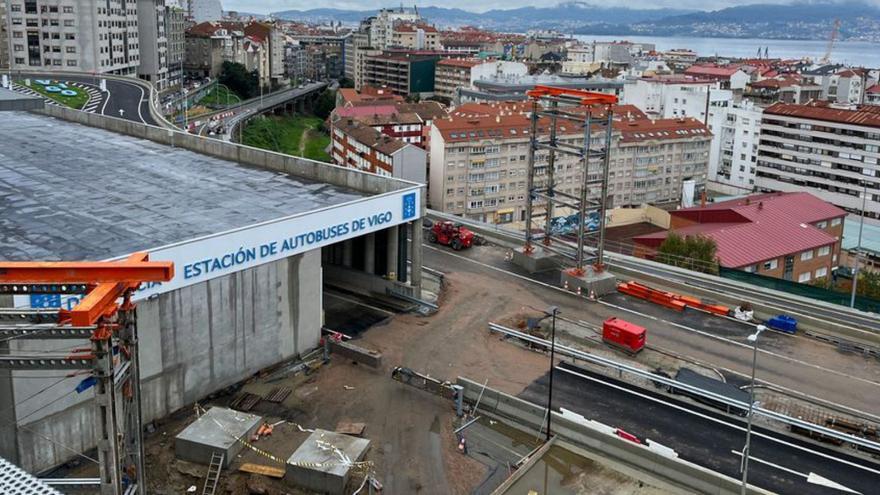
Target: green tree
[325,104]
[869,284]
[698,253]
[346,83]
[236,77]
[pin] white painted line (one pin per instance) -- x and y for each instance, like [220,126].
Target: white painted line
[106,100]
[716,420]
[811,478]
[140,103]
[741,344]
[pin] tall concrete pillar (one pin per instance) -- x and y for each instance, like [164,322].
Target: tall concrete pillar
[391,252]
[416,248]
[370,253]
[347,253]
[403,252]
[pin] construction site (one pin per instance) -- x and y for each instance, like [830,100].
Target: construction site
[222,319]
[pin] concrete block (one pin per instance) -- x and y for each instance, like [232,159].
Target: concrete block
[538,260]
[601,283]
[317,467]
[218,430]
[348,350]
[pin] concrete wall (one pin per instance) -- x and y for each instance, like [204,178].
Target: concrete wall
[644,213]
[194,341]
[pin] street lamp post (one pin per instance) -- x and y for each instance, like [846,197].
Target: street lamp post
[852,298]
[745,461]
[552,312]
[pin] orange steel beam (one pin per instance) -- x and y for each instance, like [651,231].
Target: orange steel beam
[135,269]
[585,97]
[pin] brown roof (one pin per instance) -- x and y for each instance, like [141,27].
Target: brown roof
[466,63]
[426,110]
[210,28]
[650,129]
[389,119]
[862,116]
[369,136]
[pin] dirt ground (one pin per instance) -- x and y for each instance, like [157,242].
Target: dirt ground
[413,446]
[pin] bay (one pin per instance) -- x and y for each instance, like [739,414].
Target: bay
[855,53]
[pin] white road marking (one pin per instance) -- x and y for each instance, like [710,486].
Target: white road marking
[140,103]
[106,100]
[811,478]
[716,420]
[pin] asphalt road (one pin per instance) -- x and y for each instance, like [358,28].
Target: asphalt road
[708,439]
[130,97]
[797,363]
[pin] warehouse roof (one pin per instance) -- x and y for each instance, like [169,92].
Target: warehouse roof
[69,191]
[757,228]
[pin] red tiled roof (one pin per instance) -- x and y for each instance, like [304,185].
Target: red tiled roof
[875,89]
[860,117]
[711,71]
[460,62]
[360,111]
[758,228]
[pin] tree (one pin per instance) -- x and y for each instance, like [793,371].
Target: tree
[325,104]
[346,83]
[869,284]
[236,77]
[698,253]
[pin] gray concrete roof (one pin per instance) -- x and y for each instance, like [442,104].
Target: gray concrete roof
[10,100]
[69,191]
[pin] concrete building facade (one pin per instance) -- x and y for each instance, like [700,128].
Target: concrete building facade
[830,152]
[733,159]
[205,10]
[153,28]
[83,36]
[359,145]
[671,97]
[402,73]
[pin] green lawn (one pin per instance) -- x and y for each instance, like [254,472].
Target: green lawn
[298,136]
[76,102]
[220,95]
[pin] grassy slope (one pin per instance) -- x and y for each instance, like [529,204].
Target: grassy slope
[284,135]
[218,96]
[76,102]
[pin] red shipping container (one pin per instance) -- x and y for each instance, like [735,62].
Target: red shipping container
[628,336]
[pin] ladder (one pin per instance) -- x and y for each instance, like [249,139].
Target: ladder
[214,470]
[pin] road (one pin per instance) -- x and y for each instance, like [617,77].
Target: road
[705,437]
[797,363]
[130,97]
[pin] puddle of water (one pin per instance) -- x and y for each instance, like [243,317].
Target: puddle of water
[557,472]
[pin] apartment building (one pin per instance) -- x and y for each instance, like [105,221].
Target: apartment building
[205,10]
[402,73]
[75,35]
[734,155]
[251,44]
[408,122]
[415,36]
[453,73]
[872,95]
[479,160]
[357,41]
[674,96]
[175,31]
[153,30]
[4,37]
[830,152]
[731,77]
[791,236]
[381,26]
[358,145]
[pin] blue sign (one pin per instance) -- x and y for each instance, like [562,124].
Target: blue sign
[409,206]
[44,301]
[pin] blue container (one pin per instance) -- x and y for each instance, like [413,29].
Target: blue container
[783,323]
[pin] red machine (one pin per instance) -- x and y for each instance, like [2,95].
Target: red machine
[623,334]
[451,234]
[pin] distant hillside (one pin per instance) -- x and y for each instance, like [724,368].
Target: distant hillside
[565,16]
[808,20]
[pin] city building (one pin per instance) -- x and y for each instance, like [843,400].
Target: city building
[175,32]
[381,26]
[74,35]
[415,36]
[408,122]
[830,152]
[872,95]
[366,96]
[4,36]
[360,146]
[679,59]
[479,159]
[205,10]
[153,40]
[731,77]
[452,74]
[513,87]
[673,96]
[402,73]
[357,41]
[251,44]
[789,88]
[733,158]
[792,236]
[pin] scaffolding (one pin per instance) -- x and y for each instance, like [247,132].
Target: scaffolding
[552,105]
[106,316]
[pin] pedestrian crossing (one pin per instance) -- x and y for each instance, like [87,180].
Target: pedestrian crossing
[93,105]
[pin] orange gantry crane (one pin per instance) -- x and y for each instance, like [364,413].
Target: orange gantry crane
[106,316]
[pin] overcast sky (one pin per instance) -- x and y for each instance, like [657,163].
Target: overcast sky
[267,6]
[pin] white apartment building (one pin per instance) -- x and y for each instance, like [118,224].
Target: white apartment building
[670,97]
[205,10]
[382,26]
[832,153]
[479,159]
[733,158]
[4,37]
[153,38]
[75,35]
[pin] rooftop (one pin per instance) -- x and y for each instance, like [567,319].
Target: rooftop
[714,71]
[69,191]
[466,63]
[758,228]
[862,117]
[634,130]
[370,137]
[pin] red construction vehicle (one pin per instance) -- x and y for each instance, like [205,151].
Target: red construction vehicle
[624,335]
[451,234]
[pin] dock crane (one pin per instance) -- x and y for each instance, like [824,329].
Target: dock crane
[835,31]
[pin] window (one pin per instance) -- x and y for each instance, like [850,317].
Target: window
[821,272]
[804,277]
[823,251]
[807,255]
[835,222]
[821,225]
[771,265]
[750,268]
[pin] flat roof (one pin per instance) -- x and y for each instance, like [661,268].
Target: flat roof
[10,101]
[68,191]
